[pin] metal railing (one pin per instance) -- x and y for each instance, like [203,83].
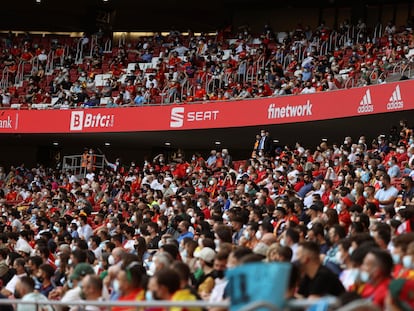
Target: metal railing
[298,304]
[4,83]
[79,168]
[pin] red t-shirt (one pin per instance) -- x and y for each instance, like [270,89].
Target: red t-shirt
[377,293]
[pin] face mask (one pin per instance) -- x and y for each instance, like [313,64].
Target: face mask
[226,217]
[193,220]
[56,229]
[89,244]
[246,188]
[364,276]
[365,194]
[217,243]
[218,274]
[407,262]
[109,226]
[70,262]
[149,296]
[184,254]
[17,295]
[338,208]
[57,263]
[111,260]
[70,284]
[396,258]
[256,202]
[339,258]
[198,204]
[246,235]
[340,178]
[211,182]
[331,197]
[283,242]
[350,251]
[353,192]
[115,286]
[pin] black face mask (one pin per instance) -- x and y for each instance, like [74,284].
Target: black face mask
[217,274]
[17,295]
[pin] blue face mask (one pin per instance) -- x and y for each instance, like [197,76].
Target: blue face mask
[396,258]
[407,262]
[364,276]
[149,296]
[70,284]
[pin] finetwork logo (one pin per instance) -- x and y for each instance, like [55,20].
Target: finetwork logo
[178,116]
[395,101]
[289,111]
[80,120]
[365,104]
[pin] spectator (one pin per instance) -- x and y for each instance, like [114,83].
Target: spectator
[26,291]
[317,280]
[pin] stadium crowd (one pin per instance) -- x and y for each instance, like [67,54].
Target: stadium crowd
[342,214]
[186,68]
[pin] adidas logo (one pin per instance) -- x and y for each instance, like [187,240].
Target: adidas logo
[366,103]
[395,101]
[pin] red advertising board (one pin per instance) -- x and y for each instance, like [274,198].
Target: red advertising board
[274,110]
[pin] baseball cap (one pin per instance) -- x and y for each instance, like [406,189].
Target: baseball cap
[207,254]
[80,270]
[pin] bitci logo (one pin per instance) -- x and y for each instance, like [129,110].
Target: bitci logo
[80,120]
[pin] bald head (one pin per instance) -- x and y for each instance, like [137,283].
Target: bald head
[268,239]
[118,253]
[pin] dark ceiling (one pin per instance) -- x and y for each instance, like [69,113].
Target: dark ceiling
[140,15]
[133,146]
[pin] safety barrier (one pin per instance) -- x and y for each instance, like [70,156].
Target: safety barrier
[299,304]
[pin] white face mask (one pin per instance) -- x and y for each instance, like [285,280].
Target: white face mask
[258,235]
[111,260]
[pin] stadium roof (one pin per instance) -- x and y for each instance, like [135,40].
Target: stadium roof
[139,15]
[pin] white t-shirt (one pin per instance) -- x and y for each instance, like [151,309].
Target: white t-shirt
[386,194]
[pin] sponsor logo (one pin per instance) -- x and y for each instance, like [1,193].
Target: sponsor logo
[6,123]
[80,120]
[289,111]
[179,116]
[395,101]
[365,104]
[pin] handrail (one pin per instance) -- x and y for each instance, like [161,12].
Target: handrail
[290,305]
[94,42]
[19,72]
[108,46]
[4,83]
[49,63]
[79,52]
